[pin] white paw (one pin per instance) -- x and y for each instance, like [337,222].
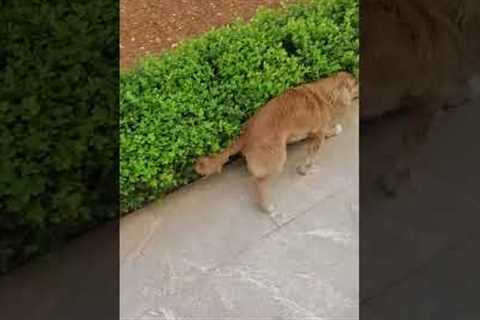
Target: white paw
[338,129]
[270,208]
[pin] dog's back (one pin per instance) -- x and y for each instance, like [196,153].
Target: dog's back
[300,111]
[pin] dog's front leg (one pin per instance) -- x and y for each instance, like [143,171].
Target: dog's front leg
[313,149]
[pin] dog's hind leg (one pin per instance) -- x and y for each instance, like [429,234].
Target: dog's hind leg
[263,196]
[263,162]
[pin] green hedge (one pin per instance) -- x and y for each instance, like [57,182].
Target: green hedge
[192,101]
[58,98]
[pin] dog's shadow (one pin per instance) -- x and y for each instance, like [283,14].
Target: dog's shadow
[381,147]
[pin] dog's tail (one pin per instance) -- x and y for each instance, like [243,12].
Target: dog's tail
[235,147]
[209,165]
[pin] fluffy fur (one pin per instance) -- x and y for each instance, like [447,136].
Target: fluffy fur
[418,57]
[308,111]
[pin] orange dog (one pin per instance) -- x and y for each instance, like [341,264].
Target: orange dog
[308,111]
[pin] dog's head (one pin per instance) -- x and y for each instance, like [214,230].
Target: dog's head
[349,85]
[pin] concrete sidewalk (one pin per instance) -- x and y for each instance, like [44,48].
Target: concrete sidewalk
[426,264]
[207,252]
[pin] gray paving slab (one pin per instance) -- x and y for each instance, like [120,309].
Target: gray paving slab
[307,269]
[77,282]
[436,210]
[436,290]
[409,238]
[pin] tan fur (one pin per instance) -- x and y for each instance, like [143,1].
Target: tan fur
[308,111]
[419,57]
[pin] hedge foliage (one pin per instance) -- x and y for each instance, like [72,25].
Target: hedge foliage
[192,101]
[58,99]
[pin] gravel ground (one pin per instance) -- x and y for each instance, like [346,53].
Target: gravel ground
[150,26]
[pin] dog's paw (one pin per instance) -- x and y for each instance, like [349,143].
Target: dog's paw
[269,208]
[335,131]
[303,170]
[338,129]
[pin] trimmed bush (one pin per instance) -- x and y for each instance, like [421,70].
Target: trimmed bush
[192,101]
[58,98]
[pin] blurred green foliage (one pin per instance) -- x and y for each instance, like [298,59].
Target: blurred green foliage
[58,128]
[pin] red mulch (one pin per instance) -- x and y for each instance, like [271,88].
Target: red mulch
[150,26]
